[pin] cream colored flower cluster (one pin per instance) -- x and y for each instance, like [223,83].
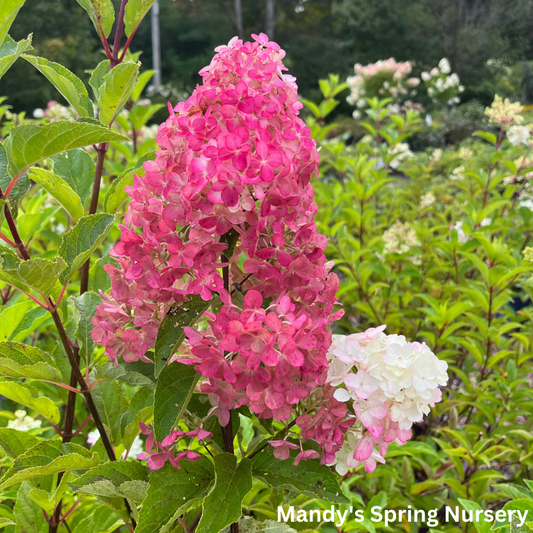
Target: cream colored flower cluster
[504,112]
[400,238]
[390,384]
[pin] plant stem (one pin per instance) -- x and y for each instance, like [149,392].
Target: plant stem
[101,152]
[118,34]
[227,431]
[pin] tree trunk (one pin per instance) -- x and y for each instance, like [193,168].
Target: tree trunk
[238,19]
[270,21]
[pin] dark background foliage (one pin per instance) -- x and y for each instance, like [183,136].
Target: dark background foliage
[320,36]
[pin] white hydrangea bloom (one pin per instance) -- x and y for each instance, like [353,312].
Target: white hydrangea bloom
[391,384]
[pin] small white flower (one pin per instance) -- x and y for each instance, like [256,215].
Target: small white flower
[38,113]
[518,135]
[23,422]
[92,437]
[444,66]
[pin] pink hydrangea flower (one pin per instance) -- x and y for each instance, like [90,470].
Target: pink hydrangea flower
[234,159]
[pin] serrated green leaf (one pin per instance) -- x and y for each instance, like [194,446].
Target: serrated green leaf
[28,515]
[85,308]
[96,519]
[29,397]
[15,442]
[59,189]
[82,240]
[67,83]
[110,372]
[29,144]
[10,9]
[170,334]
[111,403]
[116,90]
[481,526]
[19,360]
[102,14]
[135,11]
[48,457]
[77,169]
[122,479]
[36,274]
[308,477]
[172,492]
[11,50]
[222,506]
[173,390]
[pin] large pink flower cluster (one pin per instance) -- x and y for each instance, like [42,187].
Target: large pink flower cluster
[234,160]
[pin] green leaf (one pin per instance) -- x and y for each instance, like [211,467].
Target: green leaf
[172,492]
[222,506]
[13,320]
[122,479]
[48,457]
[77,169]
[96,519]
[170,334]
[135,12]
[29,516]
[20,189]
[308,477]
[36,274]
[142,81]
[10,9]
[19,360]
[111,403]
[173,390]
[84,307]
[59,189]
[110,372]
[82,240]
[15,442]
[116,90]
[11,50]
[97,76]
[140,114]
[67,83]
[481,526]
[29,397]
[6,521]
[29,144]
[102,14]
[116,195]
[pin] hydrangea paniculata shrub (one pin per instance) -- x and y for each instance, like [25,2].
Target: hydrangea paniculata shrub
[225,213]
